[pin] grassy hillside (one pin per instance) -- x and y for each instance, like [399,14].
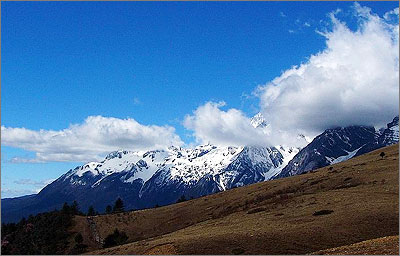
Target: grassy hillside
[388,245]
[334,206]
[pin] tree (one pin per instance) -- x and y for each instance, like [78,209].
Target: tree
[119,205]
[91,211]
[382,155]
[66,209]
[75,208]
[108,209]
[78,238]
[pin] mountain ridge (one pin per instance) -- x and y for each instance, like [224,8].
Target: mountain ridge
[159,177]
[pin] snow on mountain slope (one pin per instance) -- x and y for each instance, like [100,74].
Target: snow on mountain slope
[188,165]
[288,153]
[349,155]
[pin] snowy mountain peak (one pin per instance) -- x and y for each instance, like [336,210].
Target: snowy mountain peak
[390,135]
[114,154]
[395,122]
[258,121]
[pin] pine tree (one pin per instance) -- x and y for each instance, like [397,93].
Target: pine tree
[75,208]
[91,211]
[108,209]
[119,205]
[66,209]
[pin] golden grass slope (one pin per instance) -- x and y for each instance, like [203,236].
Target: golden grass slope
[388,245]
[273,217]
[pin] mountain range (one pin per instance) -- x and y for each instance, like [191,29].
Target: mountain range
[144,179]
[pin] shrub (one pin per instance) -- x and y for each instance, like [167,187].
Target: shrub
[322,212]
[238,251]
[181,199]
[114,239]
[78,238]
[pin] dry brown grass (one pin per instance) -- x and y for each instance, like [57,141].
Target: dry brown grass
[388,245]
[274,217]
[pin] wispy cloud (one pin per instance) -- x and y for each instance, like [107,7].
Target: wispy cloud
[14,192]
[40,183]
[136,101]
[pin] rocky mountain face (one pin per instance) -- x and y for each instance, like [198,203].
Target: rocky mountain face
[160,177]
[339,144]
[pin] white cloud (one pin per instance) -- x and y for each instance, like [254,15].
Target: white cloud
[354,81]
[282,14]
[90,140]
[392,14]
[212,125]
[232,127]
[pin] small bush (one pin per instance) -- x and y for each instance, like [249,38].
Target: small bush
[78,238]
[181,199]
[116,238]
[322,212]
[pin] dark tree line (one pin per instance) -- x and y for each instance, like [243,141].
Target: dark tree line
[47,233]
[118,207]
[44,233]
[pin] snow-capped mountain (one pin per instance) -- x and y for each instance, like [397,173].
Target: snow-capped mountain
[186,165]
[340,144]
[144,179]
[159,177]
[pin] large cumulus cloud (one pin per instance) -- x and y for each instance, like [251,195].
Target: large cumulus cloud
[212,125]
[88,141]
[354,81]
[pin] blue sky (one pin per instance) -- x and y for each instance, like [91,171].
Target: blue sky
[154,62]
